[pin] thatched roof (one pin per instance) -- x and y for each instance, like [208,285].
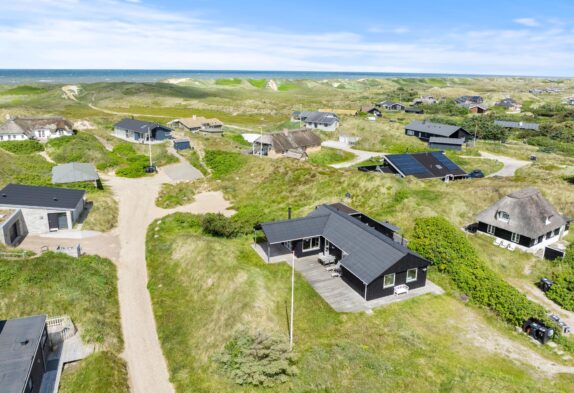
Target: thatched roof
[284,141]
[198,122]
[52,123]
[530,214]
[11,128]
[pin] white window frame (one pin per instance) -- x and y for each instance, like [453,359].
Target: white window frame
[416,275]
[312,248]
[490,229]
[385,279]
[515,238]
[503,216]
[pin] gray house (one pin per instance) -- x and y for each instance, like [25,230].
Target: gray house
[140,131]
[24,347]
[517,125]
[524,218]
[369,253]
[43,209]
[437,142]
[425,130]
[75,172]
[325,121]
[391,106]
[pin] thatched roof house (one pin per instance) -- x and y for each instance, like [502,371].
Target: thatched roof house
[293,143]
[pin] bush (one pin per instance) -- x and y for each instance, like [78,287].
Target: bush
[562,292]
[22,147]
[216,224]
[449,249]
[258,360]
[223,163]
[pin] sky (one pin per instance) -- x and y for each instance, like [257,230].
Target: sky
[489,37]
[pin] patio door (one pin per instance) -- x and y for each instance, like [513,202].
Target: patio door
[327,247]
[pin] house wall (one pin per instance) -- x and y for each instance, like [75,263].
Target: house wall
[38,366]
[351,280]
[528,244]
[36,220]
[13,137]
[425,136]
[15,219]
[443,146]
[375,289]
[212,129]
[323,127]
[160,134]
[123,133]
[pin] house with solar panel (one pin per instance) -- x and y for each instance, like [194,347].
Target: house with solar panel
[324,121]
[368,255]
[433,165]
[425,130]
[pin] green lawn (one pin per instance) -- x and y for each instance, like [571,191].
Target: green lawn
[172,195]
[102,372]
[328,156]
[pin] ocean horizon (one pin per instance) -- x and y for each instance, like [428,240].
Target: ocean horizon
[61,76]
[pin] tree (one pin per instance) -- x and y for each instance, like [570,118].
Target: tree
[485,128]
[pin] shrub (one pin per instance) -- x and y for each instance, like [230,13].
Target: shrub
[258,360]
[449,249]
[131,171]
[216,224]
[22,147]
[223,163]
[562,292]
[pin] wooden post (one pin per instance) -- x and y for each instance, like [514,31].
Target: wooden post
[292,301]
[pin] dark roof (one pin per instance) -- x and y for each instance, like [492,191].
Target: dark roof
[369,253]
[469,99]
[414,110]
[438,129]
[528,211]
[390,104]
[424,165]
[446,141]
[344,208]
[507,102]
[327,118]
[19,340]
[516,124]
[19,195]
[74,172]
[284,141]
[139,126]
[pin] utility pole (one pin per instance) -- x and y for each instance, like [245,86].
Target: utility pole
[260,141]
[149,144]
[292,301]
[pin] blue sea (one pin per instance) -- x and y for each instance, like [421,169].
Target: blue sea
[16,77]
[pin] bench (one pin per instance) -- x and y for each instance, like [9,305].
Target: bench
[401,289]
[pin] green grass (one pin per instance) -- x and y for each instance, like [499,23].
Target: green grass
[22,147]
[192,156]
[328,156]
[102,372]
[469,164]
[285,86]
[236,291]
[258,83]
[30,169]
[82,147]
[83,288]
[23,90]
[103,215]
[173,195]
[223,163]
[228,82]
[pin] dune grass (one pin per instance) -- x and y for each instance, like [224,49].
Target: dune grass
[25,169]
[102,372]
[172,195]
[22,147]
[23,90]
[228,82]
[236,291]
[328,156]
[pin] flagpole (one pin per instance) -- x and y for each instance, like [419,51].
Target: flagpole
[292,301]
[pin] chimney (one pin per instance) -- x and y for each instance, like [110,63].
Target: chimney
[286,131]
[194,117]
[289,213]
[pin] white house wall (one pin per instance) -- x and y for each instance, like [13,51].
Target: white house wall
[13,137]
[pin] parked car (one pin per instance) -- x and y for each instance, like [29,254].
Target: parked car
[476,174]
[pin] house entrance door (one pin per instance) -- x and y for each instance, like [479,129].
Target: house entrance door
[327,248]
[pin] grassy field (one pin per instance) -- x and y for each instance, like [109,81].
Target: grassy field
[236,290]
[84,289]
[328,156]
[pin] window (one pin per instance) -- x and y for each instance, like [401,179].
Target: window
[515,238]
[490,229]
[556,231]
[549,235]
[389,280]
[412,274]
[503,216]
[311,243]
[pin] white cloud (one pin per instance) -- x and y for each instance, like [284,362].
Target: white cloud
[117,34]
[529,22]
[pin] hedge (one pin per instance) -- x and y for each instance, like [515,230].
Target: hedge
[452,253]
[22,147]
[562,292]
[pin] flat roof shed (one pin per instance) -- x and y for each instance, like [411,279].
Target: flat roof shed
[74,172]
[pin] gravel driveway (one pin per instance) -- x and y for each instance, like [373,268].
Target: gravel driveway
[361,155]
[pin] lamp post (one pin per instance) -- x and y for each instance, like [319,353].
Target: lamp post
[292,302]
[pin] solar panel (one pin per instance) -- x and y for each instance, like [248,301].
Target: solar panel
[407,164]
[445,161]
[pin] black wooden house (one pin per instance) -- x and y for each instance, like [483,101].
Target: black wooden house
[424,130]
[373,258]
